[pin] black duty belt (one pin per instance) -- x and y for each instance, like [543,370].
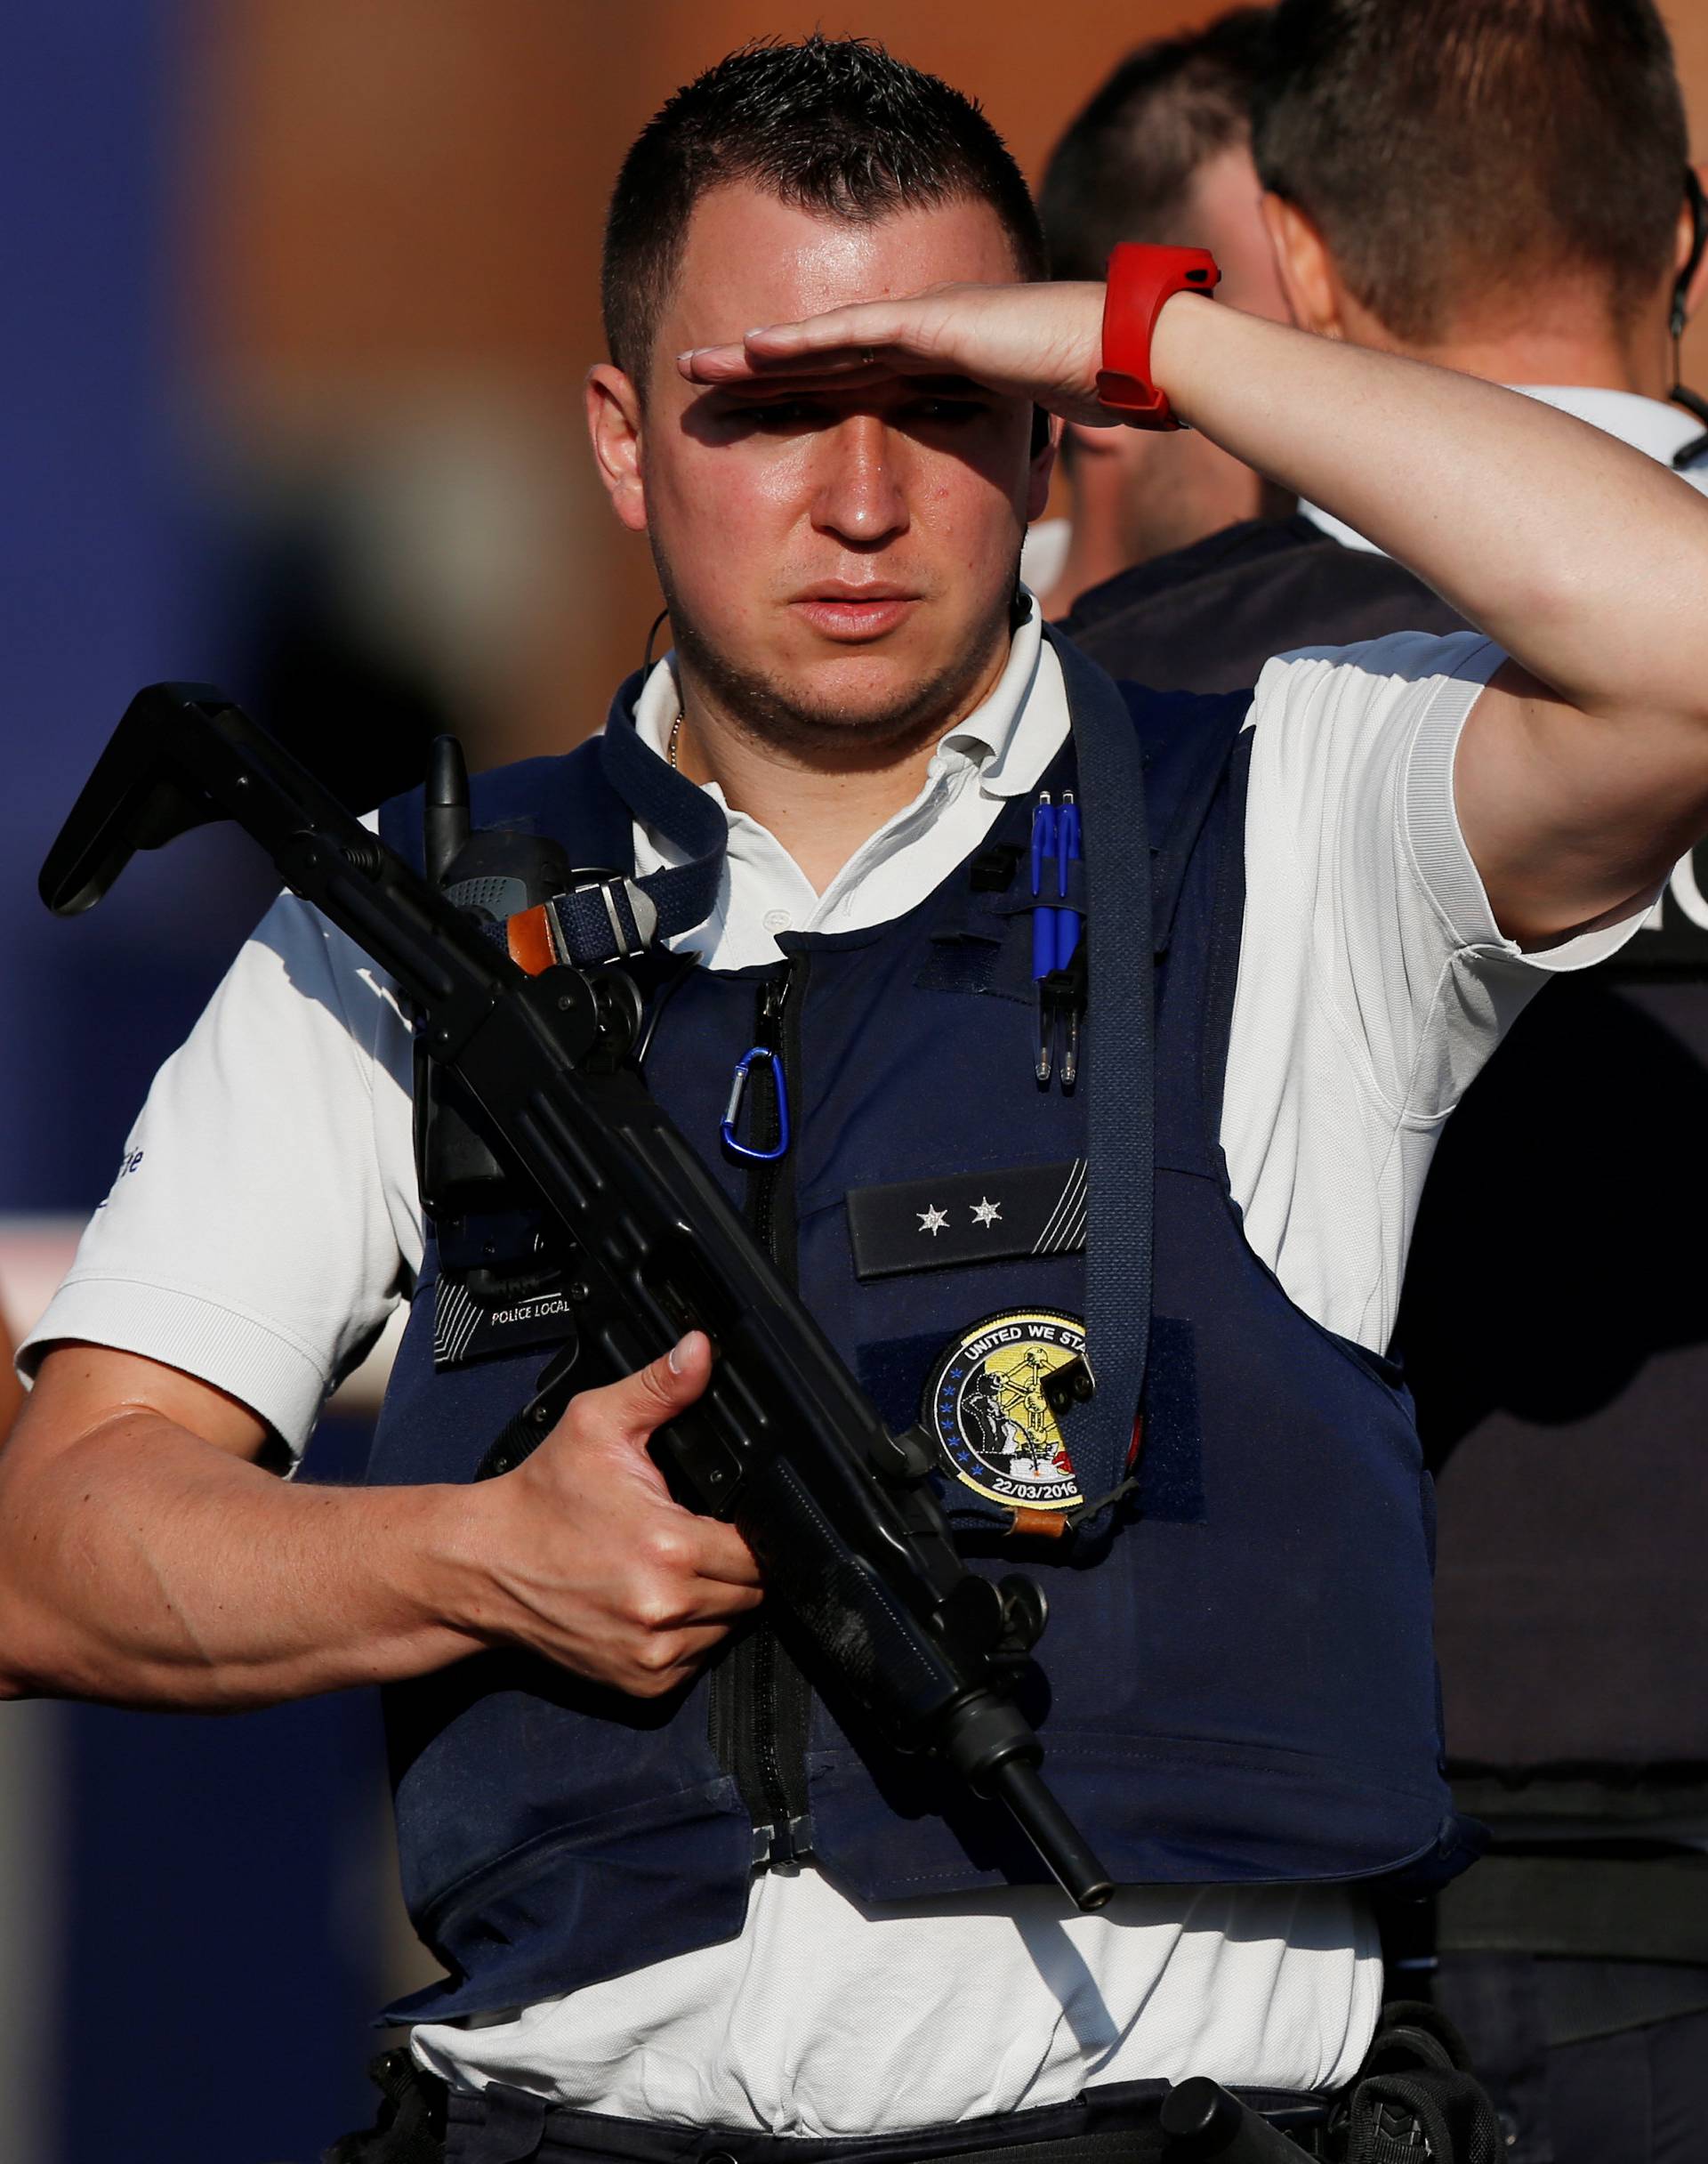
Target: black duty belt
[1412,2100]
[420,2123]
[1116,2124]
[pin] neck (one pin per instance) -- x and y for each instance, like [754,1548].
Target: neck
[1143,497]
[1096,545]
[824,802]
[1566,340]
[1561,363]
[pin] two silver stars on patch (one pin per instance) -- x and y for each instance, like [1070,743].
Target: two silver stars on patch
[934,1221]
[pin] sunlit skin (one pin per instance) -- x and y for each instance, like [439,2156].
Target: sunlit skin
[839,561]
[1581,770]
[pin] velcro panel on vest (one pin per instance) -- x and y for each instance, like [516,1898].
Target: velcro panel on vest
[1169,1485]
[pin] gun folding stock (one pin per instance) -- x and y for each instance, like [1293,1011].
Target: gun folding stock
[139,797]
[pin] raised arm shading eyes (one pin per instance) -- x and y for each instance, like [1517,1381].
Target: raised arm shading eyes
[1582,771]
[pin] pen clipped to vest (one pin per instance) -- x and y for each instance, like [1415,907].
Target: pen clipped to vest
[536,1040]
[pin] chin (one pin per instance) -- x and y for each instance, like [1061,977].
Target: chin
[851,684]
[807,691]
[880,700]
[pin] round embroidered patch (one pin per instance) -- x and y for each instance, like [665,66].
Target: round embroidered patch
[988,1405]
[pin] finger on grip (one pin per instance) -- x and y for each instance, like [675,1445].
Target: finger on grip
[723,1556]
[657,1392]
[718,1598]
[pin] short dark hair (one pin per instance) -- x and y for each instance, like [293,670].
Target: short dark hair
[1124,167]
[1447,150]
[832,125]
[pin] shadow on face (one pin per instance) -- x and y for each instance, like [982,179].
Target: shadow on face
[837,563]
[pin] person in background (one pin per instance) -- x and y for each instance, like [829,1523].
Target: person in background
[1503,187]
[1162,152]
[1180,564]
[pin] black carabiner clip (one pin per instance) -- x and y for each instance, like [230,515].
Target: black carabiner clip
[732,1110]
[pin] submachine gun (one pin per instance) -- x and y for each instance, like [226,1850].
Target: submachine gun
[840,1513]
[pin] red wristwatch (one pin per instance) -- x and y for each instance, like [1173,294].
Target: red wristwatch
[1141,278]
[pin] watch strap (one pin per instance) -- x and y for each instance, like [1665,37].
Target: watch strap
[1140,277]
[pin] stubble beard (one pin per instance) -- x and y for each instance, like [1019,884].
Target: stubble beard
[771,713]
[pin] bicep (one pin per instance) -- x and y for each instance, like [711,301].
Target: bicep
[81,1388]
[1573,819]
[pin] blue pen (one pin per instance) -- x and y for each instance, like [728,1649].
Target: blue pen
[1067,926]
[1068,852]
[1044,845]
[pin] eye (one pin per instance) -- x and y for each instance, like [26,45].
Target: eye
[736,417]
[785,416]
[947,412]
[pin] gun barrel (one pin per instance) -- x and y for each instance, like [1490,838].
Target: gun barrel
[1052,1832]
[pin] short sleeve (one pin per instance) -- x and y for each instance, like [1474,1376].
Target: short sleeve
[265,1219]
[1373,981]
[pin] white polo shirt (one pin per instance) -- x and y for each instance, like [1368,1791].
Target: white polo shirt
[266,1220]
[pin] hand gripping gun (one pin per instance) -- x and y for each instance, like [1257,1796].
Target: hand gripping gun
[853,1546]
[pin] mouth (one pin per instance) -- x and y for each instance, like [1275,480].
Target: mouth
[851,614]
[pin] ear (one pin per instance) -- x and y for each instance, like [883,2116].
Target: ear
[614,423]
[1687,240]
[1302,262]
[1042,466]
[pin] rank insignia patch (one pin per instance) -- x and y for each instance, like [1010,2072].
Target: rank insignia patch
[995,1401]
[947,1220]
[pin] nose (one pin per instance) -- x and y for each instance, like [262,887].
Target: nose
[861,498]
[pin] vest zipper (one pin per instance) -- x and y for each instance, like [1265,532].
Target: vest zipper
[770,1188]
[761,1701]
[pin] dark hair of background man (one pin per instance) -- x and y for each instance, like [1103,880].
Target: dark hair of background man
[1500,119]
[1124,169]
[834,125]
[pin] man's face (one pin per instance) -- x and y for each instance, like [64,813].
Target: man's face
[838,564]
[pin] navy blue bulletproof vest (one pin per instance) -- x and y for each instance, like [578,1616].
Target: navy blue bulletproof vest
[1240,1686]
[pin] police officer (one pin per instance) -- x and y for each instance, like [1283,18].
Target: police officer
[1572,1618]
[669,1891]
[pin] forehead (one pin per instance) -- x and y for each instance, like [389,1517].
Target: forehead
[749,260]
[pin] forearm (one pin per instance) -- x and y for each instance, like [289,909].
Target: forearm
[1578,556]
[143,1565]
